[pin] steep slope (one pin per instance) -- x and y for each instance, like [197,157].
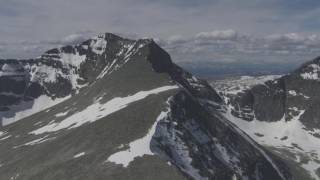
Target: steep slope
[282,115]
[130,114]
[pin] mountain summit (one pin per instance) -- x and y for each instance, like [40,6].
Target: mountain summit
[114,108]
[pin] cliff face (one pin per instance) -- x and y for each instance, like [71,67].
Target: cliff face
[285,96]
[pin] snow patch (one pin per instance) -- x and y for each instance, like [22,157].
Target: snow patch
[28,108]
[79,155]
[15,177]
[290,135]
[181,155]
[313,74]
[4,138]
[43,73]
[230,160]
[62,114]
[2,133]
[98,44]
[193,81]
[312,166]
[97,110]
[10,94]
[137,148]
[237,85]
[36,141]
[292,93]
[245,135]
[127,51]
[72,59]
[274,131]
[107,69]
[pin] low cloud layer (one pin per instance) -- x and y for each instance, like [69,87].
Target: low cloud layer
[194,32]
[218,46]
[232,46]
[24,49]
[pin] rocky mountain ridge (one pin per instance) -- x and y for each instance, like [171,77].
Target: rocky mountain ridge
[280,113]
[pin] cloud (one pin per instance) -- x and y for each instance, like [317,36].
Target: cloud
[227,31]
[232,46]
[24,49]
[34,19]
[218,35]
[293,43]
[224,46]
[73,39]
[12,8]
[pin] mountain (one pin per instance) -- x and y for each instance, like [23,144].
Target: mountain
[114,108]
[281,113]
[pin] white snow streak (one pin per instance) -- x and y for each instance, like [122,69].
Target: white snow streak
[137,148]
[4,138]
[2,133]
[37,141]
[28,108]
[79,155]
[97,110]
[62,114]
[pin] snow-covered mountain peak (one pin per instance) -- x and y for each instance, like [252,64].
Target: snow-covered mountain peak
[99,44]
[311,70]
[63,71]
[114,108]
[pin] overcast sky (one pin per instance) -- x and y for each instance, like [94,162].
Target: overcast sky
[191,30]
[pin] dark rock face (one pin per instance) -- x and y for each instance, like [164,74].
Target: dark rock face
[243,106]
[196,87]
[193,132]
[269,101]
[109,111]
[283,97]
[303,86]
[266,102]
[159,59]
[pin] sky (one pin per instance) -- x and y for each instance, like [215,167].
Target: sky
[194,32]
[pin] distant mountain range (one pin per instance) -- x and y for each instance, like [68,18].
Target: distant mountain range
[114,108]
